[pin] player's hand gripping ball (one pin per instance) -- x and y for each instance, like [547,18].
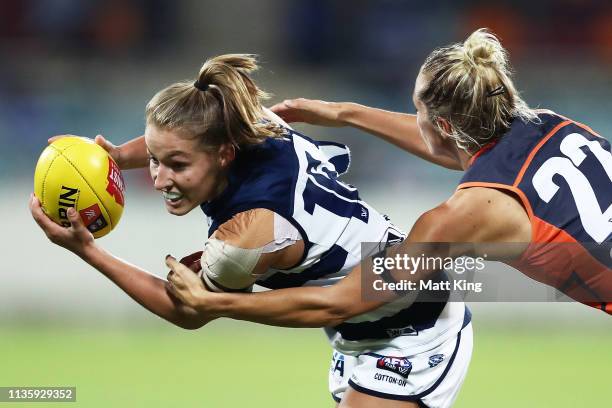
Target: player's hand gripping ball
[75,172]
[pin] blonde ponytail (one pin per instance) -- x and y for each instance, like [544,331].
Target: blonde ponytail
[222,106]
[470,86]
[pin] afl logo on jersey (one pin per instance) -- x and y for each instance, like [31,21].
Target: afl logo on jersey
[397,365]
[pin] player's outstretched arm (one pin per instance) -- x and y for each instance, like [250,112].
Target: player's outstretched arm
[399,129]
[470,216]
[145,288]
[293,307]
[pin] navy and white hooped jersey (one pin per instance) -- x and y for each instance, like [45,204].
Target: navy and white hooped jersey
[561,171]
[298,178]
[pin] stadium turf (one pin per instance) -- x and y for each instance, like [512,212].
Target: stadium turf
[241,364]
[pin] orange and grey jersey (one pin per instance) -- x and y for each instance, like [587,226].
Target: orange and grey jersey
[561,170]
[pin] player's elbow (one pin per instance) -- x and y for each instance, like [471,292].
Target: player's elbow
[190,321]
[342,302]
[191,324]
[337,315]
[339,311]
[319,310]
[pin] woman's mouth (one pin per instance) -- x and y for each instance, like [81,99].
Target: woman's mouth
[172,197]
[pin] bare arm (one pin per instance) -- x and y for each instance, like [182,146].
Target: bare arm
[293,307]
[469,216]
[133,154]
[399,129]
[145,288]
[130,155]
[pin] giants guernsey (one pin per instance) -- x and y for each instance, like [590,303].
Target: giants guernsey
[561,171]
[297,178]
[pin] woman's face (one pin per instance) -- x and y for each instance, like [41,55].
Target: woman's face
[432,137]
[186,175]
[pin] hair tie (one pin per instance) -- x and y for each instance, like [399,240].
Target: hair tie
[497,91]
[200,86]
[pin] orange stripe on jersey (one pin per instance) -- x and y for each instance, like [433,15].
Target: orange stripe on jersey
[588,129]
[483,149]
[582,125]
[533,152]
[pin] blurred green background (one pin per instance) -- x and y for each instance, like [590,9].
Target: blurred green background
[88,67]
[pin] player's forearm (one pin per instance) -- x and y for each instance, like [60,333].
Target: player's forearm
[399,129]
[134,154]
[146,289]
[295,307]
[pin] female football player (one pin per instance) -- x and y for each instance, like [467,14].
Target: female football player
[278,217]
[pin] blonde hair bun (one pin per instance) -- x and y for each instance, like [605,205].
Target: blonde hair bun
[483,48]
[470,86]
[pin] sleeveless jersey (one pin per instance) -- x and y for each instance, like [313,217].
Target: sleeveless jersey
[562,172]
[298,178]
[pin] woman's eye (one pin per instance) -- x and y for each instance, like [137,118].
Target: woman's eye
[153,160]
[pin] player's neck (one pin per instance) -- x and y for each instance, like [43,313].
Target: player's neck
[464,158]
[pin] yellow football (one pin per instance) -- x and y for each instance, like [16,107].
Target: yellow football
[75,172]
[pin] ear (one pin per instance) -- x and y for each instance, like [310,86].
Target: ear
[445,126]
[227,154]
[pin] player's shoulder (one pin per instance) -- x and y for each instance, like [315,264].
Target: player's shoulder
[450,221]
[248,229]
[477,214]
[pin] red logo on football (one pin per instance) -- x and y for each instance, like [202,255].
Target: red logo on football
[116,185]
[90,214]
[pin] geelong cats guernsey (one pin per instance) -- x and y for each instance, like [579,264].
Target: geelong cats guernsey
[298,178]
